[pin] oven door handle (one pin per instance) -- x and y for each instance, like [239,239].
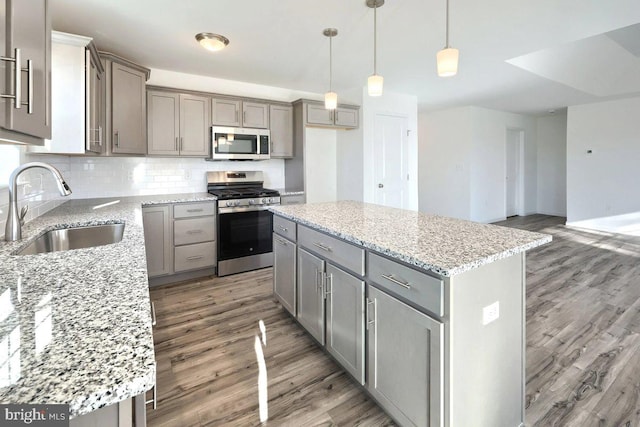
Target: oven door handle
[237,209]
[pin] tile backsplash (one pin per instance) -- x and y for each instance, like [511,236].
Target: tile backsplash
[93,177]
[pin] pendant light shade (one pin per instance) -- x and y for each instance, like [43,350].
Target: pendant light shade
[447,62]
[375,82]
[374,85]
[330,98]
[447,58]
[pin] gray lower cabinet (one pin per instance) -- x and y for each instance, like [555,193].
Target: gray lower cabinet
[284,272]
[157,239]
[26,28]
[345,320]
[311,294]
[405,359]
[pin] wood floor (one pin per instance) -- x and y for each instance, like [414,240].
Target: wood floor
[583,345]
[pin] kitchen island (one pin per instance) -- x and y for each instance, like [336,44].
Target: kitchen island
[426,312]
[76,324]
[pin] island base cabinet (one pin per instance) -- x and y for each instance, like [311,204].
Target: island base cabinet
[345,320]
[405,360]
[284,272]
[311,294]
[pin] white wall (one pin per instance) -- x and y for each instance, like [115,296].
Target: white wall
[320,175]
[603,190]
[393,104]
[350,154]
[552,164]
[463,164]
[445,162]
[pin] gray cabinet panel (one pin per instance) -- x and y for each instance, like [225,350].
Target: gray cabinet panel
[346,117]
[345,254]
[157,240]
[163,122]
[281,130]
[310,294]
[225,112]
[284,227]
[405,359]
[128,110]
[255,115]
[345,320]
[284,272]
[192,257]
[187,210]
[194,125]
[318,115]
[194,230]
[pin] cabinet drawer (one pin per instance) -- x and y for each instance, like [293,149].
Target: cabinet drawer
[330,248]
[284,227]
[186,210]
[191,257]
[194,230]
[420,288]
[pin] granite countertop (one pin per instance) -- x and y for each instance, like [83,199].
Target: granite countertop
[445,246]
[78,322]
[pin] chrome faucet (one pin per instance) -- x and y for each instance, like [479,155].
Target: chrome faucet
[13,229]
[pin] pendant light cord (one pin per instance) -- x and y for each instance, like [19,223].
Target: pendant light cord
[447,46]
[375,38]
[330,63]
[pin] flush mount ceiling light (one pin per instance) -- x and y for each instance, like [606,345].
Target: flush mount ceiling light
[447,58]
[375,82]
[330,98]
[211,41]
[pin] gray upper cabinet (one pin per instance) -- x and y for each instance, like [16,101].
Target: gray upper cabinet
[77,80]
[255,115]
[345,320]
[281,129]
[126,105]
[343,117]
[177,124]
[26,29]
[225,112]
[405,382]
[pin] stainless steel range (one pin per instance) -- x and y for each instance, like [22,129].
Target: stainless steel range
[244,223]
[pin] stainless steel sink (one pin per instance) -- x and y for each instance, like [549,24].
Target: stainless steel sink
[74,238]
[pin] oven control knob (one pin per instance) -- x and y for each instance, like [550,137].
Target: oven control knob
[229,204]
[252,202]
[264,201]
[236,203]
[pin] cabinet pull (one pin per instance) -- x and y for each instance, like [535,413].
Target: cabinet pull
[285,229]
[181,143]
[154,400]
[323,247]
[370,322]
[100,135]
[396,281]
[116,137]
[328,285]
[176,144]
[194,258]
[17,79]
[244,117]
[283,242]
[318,282]
[194,210]
[154,320]
[194,231]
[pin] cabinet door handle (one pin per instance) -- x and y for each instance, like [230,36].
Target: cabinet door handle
[328,286]
[392,279]
[195,231]
[244,117]
[371,322]
[194,210]
[283,242]
[17,79]
[154,320]
[285,229]
[176,144]
[181,143]
[323,247]
[116,137]
[29,71]
[195,257]
[154,400]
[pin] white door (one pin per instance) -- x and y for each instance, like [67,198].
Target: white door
[391,163]
[512,151]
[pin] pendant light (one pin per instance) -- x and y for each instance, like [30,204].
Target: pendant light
[375,82]
[447,58]
[330,98]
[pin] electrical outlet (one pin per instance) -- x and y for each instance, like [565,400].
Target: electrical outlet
[490,313]
[187,175]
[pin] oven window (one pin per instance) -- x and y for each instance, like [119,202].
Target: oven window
[244,233]
[228,143]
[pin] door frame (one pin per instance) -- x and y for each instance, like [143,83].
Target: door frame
[519,170]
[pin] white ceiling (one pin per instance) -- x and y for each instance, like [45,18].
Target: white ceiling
[280,43]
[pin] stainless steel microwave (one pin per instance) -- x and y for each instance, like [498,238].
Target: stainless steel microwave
[239,143]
